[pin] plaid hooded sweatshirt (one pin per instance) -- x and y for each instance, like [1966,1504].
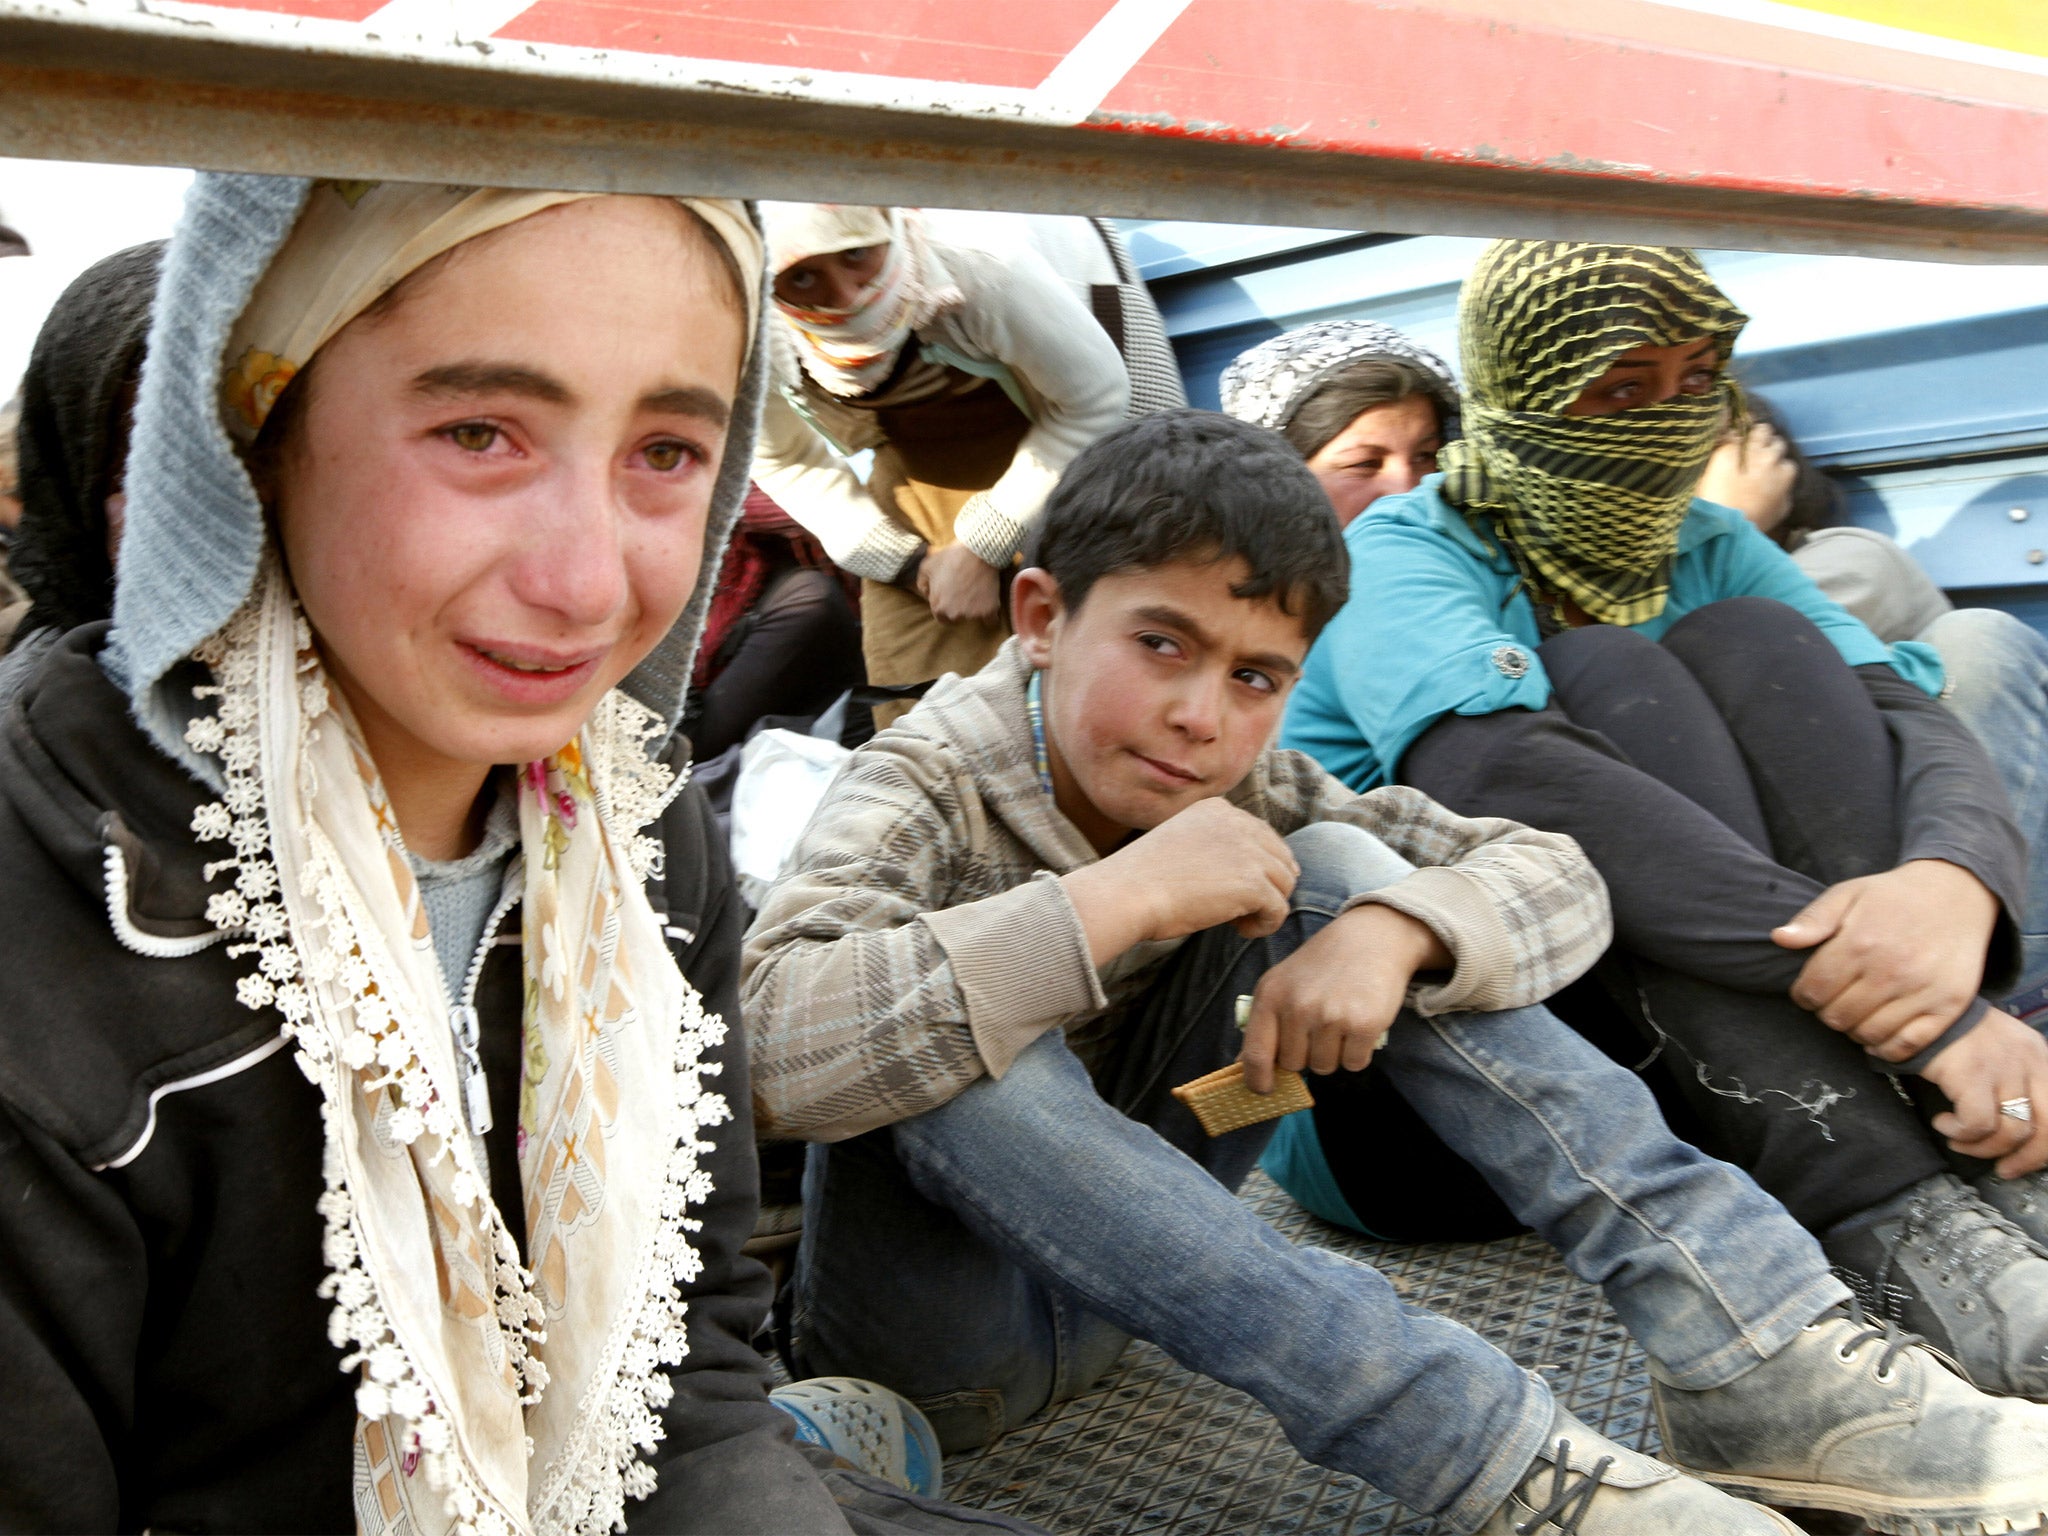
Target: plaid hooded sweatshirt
[921,936]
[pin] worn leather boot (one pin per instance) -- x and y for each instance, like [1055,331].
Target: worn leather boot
[1583,1484]
[1943,1264]
[1856,1416]
[2022,1201]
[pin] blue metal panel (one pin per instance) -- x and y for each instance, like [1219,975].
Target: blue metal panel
[1978,524]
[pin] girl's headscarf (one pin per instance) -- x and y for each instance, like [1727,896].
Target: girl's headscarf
[496,1391]
[1268,384]
[850,351]
[1586,506]
[87,353]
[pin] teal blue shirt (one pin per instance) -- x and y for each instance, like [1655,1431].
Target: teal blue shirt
[1438,624]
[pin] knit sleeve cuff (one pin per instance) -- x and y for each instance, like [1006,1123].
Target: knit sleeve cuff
[885,548]
[1021,960]
[1458,911]
[990,532]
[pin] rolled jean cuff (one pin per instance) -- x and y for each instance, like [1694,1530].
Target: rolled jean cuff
[1761,1340]
[1966,1021]
[1510,1462]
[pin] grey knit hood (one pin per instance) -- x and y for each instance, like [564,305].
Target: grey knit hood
[195,529]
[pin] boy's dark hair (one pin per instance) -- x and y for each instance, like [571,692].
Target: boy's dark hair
[1202,486]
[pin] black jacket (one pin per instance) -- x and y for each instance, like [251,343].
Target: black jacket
[164,1360]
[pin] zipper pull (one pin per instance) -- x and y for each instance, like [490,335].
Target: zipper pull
[477,1094]
[462,1019]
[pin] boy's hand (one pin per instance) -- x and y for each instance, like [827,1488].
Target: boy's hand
[1211,863]
[1331,1002]
[2001,1059]
[1753,473]
[959,584]
[1898,957]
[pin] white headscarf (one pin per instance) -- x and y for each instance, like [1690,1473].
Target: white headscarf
[850,351]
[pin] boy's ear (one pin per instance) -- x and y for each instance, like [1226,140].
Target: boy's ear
[1035,611]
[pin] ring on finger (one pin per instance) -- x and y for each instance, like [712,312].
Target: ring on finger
[2017,1109]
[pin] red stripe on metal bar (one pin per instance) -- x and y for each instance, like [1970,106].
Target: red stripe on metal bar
[959,43]
[1421,83]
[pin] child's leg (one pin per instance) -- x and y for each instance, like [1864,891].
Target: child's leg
[1795,1103]
[1031,1187]
[1815,746]
[892,1287]
[1707,1271]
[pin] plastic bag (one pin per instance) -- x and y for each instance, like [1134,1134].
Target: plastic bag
[783,776]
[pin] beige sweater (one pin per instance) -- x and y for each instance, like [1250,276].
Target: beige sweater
[922,936]
[1024,320]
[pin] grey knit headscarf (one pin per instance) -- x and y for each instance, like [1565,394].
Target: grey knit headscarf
[195,527]
[1267,384]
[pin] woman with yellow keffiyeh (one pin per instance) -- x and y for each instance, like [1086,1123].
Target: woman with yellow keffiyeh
[374,1147]
[1814,873]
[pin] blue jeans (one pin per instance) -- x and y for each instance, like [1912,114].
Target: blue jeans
[990,1256]
[1998,686]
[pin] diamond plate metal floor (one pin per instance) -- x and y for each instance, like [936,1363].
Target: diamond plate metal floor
[1156,1449]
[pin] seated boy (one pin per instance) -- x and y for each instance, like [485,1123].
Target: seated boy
[1027,911]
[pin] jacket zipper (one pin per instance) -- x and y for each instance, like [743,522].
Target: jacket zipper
[464,1024]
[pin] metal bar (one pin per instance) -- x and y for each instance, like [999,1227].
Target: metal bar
[168,83]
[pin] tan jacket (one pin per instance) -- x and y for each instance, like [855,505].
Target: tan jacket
[922,936]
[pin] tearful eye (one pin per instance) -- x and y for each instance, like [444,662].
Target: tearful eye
[473,436]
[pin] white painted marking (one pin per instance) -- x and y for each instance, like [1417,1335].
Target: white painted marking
[1111,50]
[444,21]
[242,1063]
[1797,18]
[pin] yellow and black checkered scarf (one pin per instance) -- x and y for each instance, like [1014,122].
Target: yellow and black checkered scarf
[1586,506]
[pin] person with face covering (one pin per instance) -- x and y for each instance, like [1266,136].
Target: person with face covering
[375,1147]
[78,398]
[1814,870]
[976,355]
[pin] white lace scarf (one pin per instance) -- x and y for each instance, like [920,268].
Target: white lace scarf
[494,1397]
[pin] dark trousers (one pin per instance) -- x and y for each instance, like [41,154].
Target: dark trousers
[1719,780]
[793,653]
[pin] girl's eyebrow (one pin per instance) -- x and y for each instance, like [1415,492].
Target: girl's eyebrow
[453,379]
[707,405]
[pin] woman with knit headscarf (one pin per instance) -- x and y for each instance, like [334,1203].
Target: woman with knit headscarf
[1366,407]
[1813,868]
[976,355]
[374,1142]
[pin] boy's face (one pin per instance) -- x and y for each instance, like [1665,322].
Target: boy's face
[1160,690]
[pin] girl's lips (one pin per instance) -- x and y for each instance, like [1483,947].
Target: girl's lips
[1167,771]
[526,675]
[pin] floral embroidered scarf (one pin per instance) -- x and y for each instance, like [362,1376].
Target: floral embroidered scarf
[467,1355]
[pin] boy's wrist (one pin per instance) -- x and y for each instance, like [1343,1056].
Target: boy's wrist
[1403,937]
[1113,916]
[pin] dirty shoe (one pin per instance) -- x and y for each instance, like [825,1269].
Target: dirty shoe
[1943,1264]
[1583,1484]
[1855,1416]
[2022,1201]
